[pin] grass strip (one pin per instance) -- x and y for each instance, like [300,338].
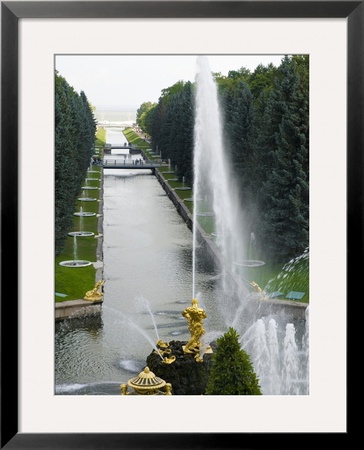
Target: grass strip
[74,282]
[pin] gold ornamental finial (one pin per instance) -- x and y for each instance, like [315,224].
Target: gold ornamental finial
[146,383]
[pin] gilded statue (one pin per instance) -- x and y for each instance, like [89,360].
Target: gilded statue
[255,286]
[95,293]
[194,315]
[162,344]
[164,351]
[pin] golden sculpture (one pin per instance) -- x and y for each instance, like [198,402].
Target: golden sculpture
[146,383]
[169,359]
[198,358]
[124,389]
[255,286]
[194,315]
[163,350]
[95,294]
[162,344]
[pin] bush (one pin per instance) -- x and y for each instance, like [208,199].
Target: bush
[232,372]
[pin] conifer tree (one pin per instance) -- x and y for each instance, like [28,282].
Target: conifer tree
[232,372]
[75,129]
[240,139]
[181,137]
[284,193]
[65,167]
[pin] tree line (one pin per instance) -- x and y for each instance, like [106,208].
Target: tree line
[75,129]
[266,133]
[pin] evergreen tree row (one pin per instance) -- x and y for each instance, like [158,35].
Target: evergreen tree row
[266,129]
[75,129]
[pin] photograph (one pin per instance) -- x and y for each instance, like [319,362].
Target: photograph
[164,203]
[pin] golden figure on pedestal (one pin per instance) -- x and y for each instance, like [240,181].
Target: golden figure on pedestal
[194,315]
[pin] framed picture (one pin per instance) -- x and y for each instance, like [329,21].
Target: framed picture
[31,34]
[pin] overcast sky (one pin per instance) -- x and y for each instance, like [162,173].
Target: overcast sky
[124,82]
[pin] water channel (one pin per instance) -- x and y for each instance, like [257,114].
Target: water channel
[147,253]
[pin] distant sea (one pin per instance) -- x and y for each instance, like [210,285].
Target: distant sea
[115,115]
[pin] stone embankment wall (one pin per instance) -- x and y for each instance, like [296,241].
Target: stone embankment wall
[77,308]
[178,203]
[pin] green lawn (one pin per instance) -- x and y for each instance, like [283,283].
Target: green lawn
[294,276]
[76,281]
[136,140]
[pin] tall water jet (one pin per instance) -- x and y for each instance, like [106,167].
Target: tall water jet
[214,189]
[271,342]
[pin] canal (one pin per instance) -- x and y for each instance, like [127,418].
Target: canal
[147,253]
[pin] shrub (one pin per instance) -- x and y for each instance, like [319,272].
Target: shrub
[232,372]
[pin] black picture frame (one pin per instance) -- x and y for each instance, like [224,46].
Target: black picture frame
[11,11]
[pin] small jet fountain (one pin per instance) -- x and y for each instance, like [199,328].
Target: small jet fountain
[75,262]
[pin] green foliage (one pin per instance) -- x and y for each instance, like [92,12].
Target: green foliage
[142,115]
[75,129]
[239,113]
[74,282]
[169,92]
[100,137]
[284,191]
[135,139]
[232,372]
[294,276]
[171,126]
